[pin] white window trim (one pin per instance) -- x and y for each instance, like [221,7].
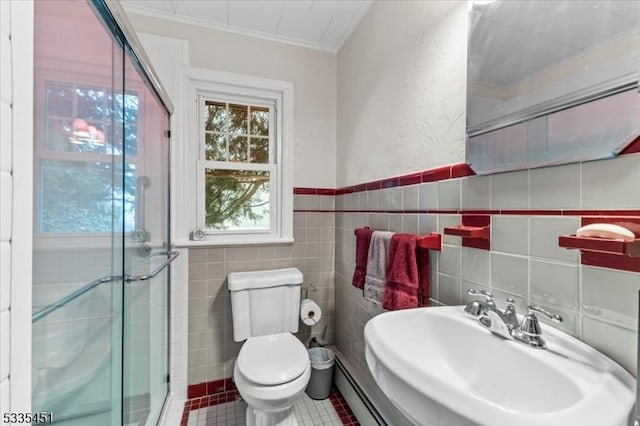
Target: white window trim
[198,81]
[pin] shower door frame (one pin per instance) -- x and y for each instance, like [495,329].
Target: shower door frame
[113,15]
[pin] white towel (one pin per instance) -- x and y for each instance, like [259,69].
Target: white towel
[377,259]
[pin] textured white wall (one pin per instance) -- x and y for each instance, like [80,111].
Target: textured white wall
[313,73]
[401,90]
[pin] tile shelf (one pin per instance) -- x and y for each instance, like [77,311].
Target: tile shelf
[605,252]
[475,230]
[433,241]
[601,245]
[481,232]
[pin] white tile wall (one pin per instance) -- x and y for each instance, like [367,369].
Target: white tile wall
[179,350]
[544,237]
[510,190]
[410,195]
[5,335]
[618,342]
[611,184]
[476,266]
[6,206]
[554,283]
[610,296]
[450,260]
[5,395]
[510,234]
[555,187]
[5,275]
[510,273]
[476,193]
[428,196]
[449,194]
[5,134]
[6,189]
[5,67]
[449,289]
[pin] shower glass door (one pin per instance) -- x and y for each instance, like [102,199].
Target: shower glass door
[101,240]
[145,357]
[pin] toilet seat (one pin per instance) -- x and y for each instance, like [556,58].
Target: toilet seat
[273,359]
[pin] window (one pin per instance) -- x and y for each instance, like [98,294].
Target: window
[237,163]
[79,138]
[240,143]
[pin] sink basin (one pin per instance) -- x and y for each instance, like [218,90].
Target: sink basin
[439,363]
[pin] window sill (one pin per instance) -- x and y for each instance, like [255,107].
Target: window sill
[218,242]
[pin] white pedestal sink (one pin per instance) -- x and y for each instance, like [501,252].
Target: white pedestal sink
[440,367]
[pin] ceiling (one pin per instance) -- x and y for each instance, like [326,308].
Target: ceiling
[514,39]
[318,24]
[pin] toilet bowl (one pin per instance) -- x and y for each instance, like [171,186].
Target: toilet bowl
[271,373]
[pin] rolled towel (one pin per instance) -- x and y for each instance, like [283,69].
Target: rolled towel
[377,259]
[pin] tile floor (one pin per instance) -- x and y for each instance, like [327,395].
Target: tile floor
[331,411]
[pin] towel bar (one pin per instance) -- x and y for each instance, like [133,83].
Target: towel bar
[433,241]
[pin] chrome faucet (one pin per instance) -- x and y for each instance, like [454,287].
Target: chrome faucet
[505,323]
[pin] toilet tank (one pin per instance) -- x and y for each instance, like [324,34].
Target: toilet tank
[264,302]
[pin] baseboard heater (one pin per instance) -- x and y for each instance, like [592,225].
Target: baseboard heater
[358,401]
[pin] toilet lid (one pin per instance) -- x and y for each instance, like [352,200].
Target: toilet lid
[272,360]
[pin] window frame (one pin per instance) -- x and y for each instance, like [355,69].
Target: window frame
[230,87]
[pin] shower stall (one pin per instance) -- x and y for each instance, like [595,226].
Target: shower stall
[101,245]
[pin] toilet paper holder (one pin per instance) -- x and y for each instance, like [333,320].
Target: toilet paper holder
[305,288]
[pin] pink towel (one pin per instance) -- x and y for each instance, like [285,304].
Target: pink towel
[403,282]
[363,239]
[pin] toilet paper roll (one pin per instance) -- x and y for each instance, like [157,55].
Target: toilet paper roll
[310,312]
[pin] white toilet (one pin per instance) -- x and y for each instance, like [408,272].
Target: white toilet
[273,368]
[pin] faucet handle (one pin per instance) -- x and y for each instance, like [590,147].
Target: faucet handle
[530,331]
[487,294]
[476,308]
[530,324]
[553,317]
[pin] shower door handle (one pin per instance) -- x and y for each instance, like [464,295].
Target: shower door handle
[140,233]
[172,256]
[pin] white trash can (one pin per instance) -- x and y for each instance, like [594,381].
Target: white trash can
[322,361]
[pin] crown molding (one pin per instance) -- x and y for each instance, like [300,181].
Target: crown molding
[145,11]
[364,8]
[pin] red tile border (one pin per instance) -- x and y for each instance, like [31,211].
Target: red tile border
[339,404]
[313,191]
[461,170]
[632,148]
[410,179]
[194,391]
[214,387]
[342,408]
[436,174]
[523,212]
